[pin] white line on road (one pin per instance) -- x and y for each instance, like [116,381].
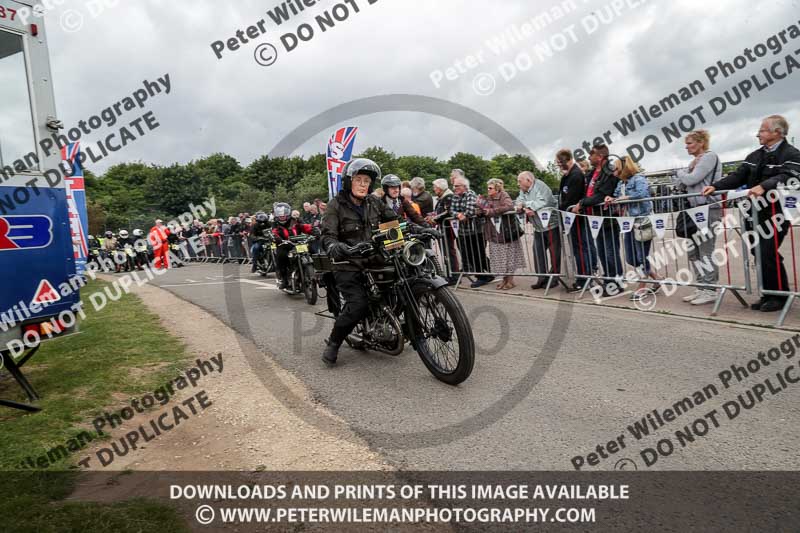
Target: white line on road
[197,284]
[261,285]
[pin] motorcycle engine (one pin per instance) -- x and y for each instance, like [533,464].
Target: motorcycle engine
[383,331]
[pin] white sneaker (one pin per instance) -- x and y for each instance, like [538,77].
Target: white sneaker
[705,297]
[692,296]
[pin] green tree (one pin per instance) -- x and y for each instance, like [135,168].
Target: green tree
[386,160]
[427,168]
[475,167]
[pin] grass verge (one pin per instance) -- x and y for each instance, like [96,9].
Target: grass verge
[121,352]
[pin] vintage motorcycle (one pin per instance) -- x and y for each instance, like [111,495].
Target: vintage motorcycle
[265,262]
[408,302]
[302,277]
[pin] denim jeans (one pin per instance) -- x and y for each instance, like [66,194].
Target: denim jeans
[636,253]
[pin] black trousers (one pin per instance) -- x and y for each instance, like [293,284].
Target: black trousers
[282,261]
[772,270]
[353,287]
[547,246]
[473,253]
[452,253]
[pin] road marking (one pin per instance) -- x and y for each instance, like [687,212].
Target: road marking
[261,284]
[197,284]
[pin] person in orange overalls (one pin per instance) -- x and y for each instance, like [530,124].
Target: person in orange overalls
[158,238]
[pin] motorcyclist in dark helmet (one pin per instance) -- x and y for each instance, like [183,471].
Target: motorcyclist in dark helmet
[260,230]
[350,219]
[284,227]
[391,187]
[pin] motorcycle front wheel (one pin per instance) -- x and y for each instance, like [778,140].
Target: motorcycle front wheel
[445,342]
[309,285]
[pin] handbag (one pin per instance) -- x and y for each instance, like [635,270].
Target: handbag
[510,228]
[643,230]
[685,228]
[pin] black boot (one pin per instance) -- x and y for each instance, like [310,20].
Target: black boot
[334,342]
[331,352]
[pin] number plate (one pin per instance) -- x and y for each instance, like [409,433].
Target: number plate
[301,248]
[391,245]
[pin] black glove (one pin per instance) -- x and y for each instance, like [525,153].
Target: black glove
[339,251]
[277,240]
[316,232]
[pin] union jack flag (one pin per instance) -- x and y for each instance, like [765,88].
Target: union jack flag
[76,204]
[340,150]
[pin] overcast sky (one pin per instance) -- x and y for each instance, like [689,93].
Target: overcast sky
[236,106]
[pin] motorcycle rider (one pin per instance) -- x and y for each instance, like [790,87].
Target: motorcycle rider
[140,245]
[93,246]
[285,227]
[391,187]
[125,239]
[109,247]
[350,219]
[174,241]
[260,231]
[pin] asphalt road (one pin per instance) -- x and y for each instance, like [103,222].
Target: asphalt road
[552,381]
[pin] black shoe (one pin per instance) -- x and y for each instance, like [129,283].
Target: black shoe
[540,285]
[331,352]
[757,306]
[283,285]
[452,280]
[611,290]
[772,305]
[479,283]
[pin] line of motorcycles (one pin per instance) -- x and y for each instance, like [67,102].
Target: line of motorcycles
[127,257]
[302,279]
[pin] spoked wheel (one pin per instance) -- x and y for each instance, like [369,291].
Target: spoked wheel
[445,342]
[309,285]
[432,266]
[269,262]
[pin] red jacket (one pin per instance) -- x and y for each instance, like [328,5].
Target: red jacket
[157,236]
[293,230]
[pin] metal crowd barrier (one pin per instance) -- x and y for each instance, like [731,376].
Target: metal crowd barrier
[606,240]
[591,248]
[771,247]
[505,245]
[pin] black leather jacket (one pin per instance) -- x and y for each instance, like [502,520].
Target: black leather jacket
[344,222]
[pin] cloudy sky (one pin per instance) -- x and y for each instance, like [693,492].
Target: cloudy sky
[602,72]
